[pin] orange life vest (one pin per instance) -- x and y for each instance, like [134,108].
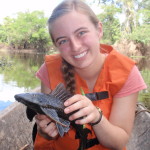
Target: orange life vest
[113,75]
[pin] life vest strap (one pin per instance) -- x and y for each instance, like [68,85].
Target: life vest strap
[97,95]
[91,142]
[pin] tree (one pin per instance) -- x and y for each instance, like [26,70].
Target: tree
[3,36]
[137,17]
[6,30]
[111,25]
[28,30]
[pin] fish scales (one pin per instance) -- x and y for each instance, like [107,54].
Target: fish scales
[52,105]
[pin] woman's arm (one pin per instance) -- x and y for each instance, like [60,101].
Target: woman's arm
[114,133]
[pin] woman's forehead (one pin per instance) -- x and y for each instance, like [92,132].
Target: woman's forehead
[71,20]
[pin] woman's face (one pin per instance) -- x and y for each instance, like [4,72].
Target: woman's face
[77,39]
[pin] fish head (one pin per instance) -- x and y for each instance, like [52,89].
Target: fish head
[31,100]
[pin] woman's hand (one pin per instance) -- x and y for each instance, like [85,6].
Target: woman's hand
[46,126]
[87,112]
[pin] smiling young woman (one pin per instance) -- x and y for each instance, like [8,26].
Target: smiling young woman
[73,39]
[97,68]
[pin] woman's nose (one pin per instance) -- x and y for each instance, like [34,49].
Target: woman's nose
[75,44]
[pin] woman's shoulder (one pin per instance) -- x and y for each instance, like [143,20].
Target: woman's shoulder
[133,84]
[116,56]
[53,57]
[42,74]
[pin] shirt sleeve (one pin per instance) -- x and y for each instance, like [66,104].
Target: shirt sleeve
[133,84]
[42,74]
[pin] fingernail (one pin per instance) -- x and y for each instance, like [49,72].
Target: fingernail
[66,110]
[70,118]
[76,122]
[66,103]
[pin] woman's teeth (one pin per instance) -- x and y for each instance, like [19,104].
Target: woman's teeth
[81,55]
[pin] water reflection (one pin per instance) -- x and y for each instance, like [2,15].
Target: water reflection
[20,75]
[8,89]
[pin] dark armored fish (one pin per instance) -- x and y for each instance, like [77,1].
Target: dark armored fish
[52,105]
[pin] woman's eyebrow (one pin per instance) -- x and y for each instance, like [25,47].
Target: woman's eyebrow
[59,38]
[80,29]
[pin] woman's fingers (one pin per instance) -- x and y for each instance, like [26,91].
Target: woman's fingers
[73,100]
[46,125]
[51,129]
[80,114]
[84,120]
[40,117]
[75,103]
[43,122]
[84,110]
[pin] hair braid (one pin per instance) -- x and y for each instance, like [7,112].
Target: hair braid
[68,74]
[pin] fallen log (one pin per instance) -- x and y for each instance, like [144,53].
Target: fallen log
[140,137]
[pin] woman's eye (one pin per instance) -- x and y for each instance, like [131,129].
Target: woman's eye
[62,42]
[81,33]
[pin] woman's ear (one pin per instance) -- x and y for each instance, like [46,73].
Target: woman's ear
[100,30]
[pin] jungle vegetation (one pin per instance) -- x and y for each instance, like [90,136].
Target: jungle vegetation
[28,30]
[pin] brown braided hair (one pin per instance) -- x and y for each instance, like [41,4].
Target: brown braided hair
[68,74]
[67,6]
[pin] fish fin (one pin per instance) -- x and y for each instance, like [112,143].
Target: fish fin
[65,122]
[60,129]
[63,129]
[60,92]
[62,125]
[51,113]
[54,116]
[30,113]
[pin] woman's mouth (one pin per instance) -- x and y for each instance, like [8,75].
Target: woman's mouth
[80,55]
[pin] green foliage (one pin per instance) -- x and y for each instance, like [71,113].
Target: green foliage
[145,4]
[111,25]
[145,94]
[135,25]
[28,30]
[3,36]
[141,34]
[20,71]
[145,16]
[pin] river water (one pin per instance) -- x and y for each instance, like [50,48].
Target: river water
[17,74]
